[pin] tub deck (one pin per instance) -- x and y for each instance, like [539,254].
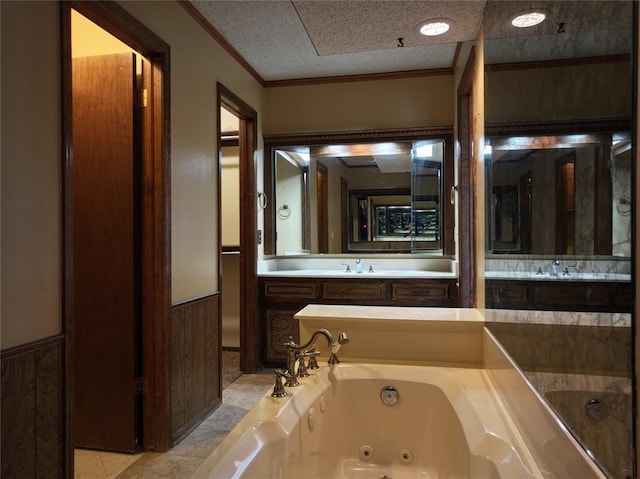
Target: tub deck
[465,409]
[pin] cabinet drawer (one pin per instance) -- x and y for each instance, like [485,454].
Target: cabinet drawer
[432,291]
[578,294]
[282,290]
[353,291]
[510,293]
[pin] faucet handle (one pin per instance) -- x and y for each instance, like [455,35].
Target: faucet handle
[348,270]
[313,362]
[310,352]
[302,369]
[371,268]
[278,388]
[290,343]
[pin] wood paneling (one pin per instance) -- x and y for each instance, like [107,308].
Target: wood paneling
[280,324]
[594,296]
[195,367]
[32,410]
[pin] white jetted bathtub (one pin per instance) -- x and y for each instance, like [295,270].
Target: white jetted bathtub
[377,421]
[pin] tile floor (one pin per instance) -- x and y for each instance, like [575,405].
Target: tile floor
[185,457]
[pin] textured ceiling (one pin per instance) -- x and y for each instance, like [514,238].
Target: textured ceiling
[284,39]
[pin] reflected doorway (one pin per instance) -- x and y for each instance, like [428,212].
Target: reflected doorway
[565,205]
[322,206]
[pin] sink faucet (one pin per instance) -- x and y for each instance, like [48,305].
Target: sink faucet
[359,265]
[554,267]
[296,351]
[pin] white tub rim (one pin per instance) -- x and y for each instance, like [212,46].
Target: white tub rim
[281,415]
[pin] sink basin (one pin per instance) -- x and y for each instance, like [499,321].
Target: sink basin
[341,273]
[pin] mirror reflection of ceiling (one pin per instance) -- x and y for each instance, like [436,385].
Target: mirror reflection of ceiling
[284,40]
[389,157]
[572,29]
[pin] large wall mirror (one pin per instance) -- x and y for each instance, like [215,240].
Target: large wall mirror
[560,195]
[559,157]
[359,194]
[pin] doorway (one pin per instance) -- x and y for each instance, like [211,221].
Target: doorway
[116,231]
[526,190]
[249,236]
[107,266]
[230,238]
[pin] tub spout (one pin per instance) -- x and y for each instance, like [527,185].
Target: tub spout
[342,339]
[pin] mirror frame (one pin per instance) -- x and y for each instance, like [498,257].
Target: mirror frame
[274,142]
[557,128]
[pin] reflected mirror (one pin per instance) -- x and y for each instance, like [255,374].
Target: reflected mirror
[360,197]
[559,194]
[559,111]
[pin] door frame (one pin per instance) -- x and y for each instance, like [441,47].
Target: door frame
[467,175]
[250,332]
[156,253]
[322,208]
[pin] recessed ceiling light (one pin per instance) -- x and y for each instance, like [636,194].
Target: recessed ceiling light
[528,19]
[434,27]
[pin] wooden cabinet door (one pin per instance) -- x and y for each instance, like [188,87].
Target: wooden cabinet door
[106,263]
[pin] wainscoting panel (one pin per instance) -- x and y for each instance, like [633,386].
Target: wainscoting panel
[195,363]
[32,410]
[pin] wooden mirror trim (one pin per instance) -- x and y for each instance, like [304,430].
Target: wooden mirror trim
[271,142]
[602,213]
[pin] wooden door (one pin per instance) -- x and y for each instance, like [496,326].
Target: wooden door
[526,184]
[344,218]
[106,252]
[565,205]
[322,197]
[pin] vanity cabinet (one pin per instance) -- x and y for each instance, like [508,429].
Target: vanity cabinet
[281,298]
[588,296]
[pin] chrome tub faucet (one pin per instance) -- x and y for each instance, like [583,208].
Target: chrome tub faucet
[298,351]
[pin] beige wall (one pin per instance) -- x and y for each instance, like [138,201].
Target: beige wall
[31,158]
[541,94]
[31,165]
[230,193]
[363,105]
[88,39]
[197,63]
[288,221]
